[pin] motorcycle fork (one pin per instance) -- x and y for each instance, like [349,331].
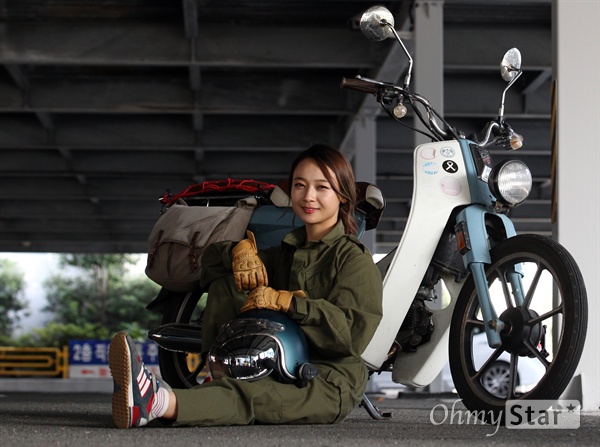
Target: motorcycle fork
[474,244]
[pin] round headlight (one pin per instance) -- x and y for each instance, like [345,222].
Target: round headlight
[510,181]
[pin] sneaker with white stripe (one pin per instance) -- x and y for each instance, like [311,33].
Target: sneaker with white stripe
[135,388]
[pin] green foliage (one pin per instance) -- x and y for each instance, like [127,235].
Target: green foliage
[113,263]
[91,297]
[12,303]
[101,295]
[59,334]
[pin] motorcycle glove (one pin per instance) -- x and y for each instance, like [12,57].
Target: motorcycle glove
[269,298]
[248,270]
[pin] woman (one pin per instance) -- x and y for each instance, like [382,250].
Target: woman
[336,301]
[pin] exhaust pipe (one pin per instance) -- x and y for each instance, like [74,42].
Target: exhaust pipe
[177,337]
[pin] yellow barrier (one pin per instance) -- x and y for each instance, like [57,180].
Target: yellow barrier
[52,362]
[34,361]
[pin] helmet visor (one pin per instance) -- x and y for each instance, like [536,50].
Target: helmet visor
[246,349]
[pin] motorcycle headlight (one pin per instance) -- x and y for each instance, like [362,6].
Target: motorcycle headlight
[510,181]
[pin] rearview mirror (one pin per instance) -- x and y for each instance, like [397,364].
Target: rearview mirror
[377,23]
[510,66]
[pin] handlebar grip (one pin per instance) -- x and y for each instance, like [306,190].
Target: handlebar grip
[359,85]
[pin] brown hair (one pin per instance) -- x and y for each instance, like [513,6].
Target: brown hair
[329,158]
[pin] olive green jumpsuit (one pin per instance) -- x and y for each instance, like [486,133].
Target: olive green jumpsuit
[339,316]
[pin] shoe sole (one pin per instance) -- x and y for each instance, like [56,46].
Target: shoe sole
[120,368]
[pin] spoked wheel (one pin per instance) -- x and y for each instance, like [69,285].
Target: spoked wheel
[182,369]
[543,336]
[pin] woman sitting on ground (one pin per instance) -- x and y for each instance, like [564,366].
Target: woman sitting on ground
[321,276]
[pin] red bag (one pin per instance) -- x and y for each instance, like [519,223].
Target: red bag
[212,186]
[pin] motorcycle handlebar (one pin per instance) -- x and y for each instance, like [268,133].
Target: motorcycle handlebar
[385,92]
[360,85]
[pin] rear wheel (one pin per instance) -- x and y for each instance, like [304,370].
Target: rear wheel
[182,369]
[544,333]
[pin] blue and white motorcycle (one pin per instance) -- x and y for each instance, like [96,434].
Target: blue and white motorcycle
[459,270]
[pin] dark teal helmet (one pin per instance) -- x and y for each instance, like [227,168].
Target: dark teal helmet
[259,343]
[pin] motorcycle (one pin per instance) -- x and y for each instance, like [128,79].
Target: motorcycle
[460,269]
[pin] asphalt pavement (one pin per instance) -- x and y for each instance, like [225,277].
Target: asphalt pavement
[58,418]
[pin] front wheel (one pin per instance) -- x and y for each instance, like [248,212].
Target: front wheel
[543,335]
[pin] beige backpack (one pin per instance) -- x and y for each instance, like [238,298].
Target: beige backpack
[182,233]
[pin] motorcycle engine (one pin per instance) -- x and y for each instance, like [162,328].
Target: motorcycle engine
[416,328]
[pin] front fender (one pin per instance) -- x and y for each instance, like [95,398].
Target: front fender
[483,229]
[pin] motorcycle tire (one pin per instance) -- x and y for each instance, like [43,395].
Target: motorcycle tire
[182,369]
[547,328]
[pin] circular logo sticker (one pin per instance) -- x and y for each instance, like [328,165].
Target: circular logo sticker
[450,167]
[431,168]
[447,152]
[428,153]
[450,186]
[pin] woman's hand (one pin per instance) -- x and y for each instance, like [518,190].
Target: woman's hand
[248,270]
[269,298]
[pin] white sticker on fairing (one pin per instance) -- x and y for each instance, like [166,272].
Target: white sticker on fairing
[447,152]
[450,186]
[431,168]
[428,153]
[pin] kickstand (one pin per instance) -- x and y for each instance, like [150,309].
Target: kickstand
[373,410]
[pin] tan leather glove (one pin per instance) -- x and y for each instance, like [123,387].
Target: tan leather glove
[248,270]
[269,298]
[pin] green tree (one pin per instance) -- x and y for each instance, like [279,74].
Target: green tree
[12,302]
[99,296]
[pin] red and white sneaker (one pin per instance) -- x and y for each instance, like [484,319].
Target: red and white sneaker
[135,388]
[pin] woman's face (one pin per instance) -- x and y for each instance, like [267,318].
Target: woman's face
[314,200]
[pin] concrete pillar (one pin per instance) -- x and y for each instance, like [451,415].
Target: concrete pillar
[428,78]
[428,74]
[363,144]
[576,69]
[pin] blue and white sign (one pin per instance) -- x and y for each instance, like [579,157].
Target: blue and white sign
[89,358]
